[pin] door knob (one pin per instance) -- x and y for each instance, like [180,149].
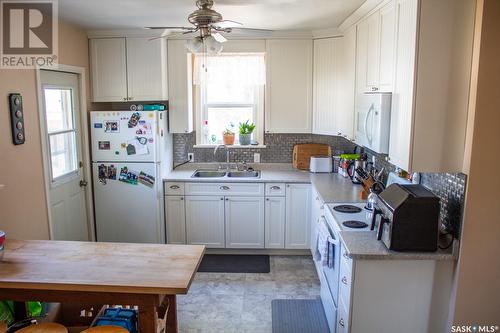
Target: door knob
[83,183]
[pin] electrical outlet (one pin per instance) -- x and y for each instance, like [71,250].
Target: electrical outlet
[256,157]
[191,157]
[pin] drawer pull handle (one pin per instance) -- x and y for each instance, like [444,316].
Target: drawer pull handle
[182,198]
[276,188]
[267,199]
[341,322]
[345,255]
[224,188]
[344,280]
[174,187]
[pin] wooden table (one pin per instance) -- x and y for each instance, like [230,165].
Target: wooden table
[147,275]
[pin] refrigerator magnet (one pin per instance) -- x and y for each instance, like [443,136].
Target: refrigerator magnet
[104,145]
[128,176]
[97,125]
[112,126]
[146,179]
[130,149]
[134,119]
[112,172]
[102,173]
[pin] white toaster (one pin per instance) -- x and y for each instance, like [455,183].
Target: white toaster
[321,164]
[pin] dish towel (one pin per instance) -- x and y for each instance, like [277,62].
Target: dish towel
[325,247]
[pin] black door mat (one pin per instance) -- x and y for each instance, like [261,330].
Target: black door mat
[230,263]
[298,316]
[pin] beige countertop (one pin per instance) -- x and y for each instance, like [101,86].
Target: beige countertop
[332,187]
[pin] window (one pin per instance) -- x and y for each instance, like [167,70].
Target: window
[229,90]
[61,131]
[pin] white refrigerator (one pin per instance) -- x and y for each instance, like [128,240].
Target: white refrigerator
[131,151]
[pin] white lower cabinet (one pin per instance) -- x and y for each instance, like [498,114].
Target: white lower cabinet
[298,215]
[205,221]
[275,216]
[175,218]
[244,222]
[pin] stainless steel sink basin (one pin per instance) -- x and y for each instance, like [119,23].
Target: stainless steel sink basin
[243,174]
[208,174]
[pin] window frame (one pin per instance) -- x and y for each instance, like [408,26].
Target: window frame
[201,112]
[69,176]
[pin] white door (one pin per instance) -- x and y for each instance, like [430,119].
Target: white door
[275,216]
[298,216]
[205,221]
[289,86]
[67,186]
[108,61]
[146,69]
[244,222]
[175,219]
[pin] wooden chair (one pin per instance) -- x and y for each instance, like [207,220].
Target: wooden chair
[3,327]
[44,328]
[106,329]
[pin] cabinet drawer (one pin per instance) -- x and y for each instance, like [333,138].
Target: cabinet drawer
[275,189]
[224,189]
[174,188]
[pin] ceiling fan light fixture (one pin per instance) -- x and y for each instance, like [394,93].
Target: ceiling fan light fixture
[195,45]
[213,47]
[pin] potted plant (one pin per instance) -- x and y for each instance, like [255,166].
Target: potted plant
[246,131]
[228,137]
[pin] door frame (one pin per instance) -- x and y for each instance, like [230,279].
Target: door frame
[87,173]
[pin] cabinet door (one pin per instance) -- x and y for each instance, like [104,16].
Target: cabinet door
[275,213]
[205,221]
[244,222]
[387,35]
[346,71]
[109,69]
[180,99]
[361,56]
[298,216]
[317,207]
[146,69]
[289,86]
[324,86]
[373,54]
[402,98]
[175,219]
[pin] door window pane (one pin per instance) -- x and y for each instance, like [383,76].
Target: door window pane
[59,109]
[63,153]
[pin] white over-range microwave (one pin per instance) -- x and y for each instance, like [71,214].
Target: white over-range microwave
[373,121]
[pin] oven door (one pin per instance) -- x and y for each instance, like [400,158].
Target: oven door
[331,275]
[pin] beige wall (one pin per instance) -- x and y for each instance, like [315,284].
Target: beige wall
[478,275]
[23,212]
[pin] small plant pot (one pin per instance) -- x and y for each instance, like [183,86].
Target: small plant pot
[228,139]
[245,139]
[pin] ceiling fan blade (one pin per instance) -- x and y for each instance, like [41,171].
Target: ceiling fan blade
[218,37]
[170,28]
[252,29]
[228,24]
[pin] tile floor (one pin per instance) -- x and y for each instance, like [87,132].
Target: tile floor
[232,302]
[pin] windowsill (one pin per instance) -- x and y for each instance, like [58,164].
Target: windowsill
[237,146]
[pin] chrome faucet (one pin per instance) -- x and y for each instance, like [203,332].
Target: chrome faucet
[227,155]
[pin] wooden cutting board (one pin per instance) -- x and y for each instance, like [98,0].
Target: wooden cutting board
[302,154]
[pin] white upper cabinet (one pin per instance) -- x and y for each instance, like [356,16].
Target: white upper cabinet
[147,69]
[325,86]
[375,51]
[180,87]
[431,87]
[289,86]
[387,45]
[108,62]
[128,69]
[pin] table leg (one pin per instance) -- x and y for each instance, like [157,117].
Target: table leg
[172,315]
[148,319]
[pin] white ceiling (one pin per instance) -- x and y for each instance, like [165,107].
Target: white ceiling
[264,14]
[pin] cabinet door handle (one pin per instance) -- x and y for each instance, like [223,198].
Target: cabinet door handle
[374,88]
[124,98]
[227,199]
[130,98]
[267,199]
[182,198]
[344,280]
[275,188]
[345,255]
[174,187]
[341,322]
[224,188]
[222,198]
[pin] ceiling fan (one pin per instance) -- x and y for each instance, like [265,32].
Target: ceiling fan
[210,24]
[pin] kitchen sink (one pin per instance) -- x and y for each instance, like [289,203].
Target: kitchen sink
[208,174]
[243,174]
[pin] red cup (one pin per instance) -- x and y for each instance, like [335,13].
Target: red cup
[2,237]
